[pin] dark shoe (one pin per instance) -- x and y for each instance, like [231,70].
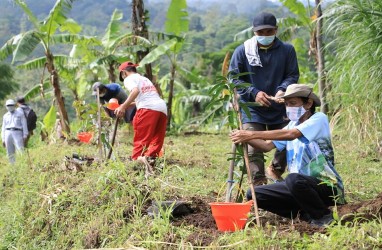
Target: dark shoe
[273,174]
[325,220]
[259,181]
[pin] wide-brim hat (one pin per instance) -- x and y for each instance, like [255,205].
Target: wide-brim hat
[124,66]
[301,90]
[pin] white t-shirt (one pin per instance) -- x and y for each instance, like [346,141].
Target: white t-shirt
[148,97]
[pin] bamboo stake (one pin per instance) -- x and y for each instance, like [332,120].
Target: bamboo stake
[113,138]
[99,126]
[246,160]
[230,174]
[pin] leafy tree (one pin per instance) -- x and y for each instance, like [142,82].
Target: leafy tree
[44,34]
[7,84]
[113,48]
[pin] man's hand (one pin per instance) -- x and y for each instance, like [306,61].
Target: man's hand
[278,97]
[238,136]
[263,99]
[120,111]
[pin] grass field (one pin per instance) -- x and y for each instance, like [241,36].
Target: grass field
[46,205]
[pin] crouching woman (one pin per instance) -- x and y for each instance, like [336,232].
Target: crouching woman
[313,184]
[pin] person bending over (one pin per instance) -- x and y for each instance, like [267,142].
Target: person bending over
[150,121]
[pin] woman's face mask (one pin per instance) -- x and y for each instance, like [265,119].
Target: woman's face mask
[10,108]
[294,113]
[265,40]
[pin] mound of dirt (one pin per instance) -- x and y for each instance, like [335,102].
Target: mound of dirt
[202,218]
[362,211]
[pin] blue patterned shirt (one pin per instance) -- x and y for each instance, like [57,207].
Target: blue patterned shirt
[312,153]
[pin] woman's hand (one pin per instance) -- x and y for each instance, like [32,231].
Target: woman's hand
[238,136]
[120,111]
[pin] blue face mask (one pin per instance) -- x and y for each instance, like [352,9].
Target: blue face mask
[265,40]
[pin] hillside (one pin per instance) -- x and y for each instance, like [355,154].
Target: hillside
[98,12]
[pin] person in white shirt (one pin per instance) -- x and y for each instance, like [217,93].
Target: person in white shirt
[14,130]
[150,119]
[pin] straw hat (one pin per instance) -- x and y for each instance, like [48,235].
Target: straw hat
[300,90]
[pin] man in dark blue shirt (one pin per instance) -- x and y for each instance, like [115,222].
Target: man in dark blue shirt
[272,66]
[113,90]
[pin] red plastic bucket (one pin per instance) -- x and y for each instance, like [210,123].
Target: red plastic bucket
[85,136]
[230,216]
[113,104]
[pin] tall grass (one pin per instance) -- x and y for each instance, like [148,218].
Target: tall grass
[355,73]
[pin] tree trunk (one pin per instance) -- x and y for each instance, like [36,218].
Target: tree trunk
[170,96]
[320,60]
[57,93]
[110,71]
[138,18]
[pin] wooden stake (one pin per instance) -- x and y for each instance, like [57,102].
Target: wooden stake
[230,174]
[99,126]
[113,138]
[246,160]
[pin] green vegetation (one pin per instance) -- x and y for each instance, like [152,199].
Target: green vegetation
[47,206]
[47,203]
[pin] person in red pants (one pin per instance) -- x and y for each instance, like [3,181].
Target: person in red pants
[150,119]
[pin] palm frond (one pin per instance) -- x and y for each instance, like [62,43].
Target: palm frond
[74,39]
[29,13]
[177,22]
[113,28]
[36,90]
[56,17]
[128,40]
[244,34]
[26,45]
[9,47]
[156,53]
[58,59]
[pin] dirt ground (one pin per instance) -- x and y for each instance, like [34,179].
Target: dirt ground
[207,230]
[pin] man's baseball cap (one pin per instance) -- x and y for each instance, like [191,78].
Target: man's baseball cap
[97,85]
[264,20]
[10,102]
[301,90]
[124,66]
[20,99]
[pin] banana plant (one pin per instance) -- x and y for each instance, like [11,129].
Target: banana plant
[105,54]
[45,34]
[176,26]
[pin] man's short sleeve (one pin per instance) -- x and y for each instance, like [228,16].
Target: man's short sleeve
[317,126]
[280,145]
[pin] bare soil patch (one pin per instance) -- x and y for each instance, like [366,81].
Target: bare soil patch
[207,229]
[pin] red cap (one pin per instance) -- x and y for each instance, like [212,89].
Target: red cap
[125,65]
